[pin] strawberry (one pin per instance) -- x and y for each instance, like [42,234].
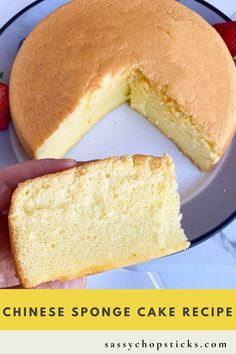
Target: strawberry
[4,104]
[227,31]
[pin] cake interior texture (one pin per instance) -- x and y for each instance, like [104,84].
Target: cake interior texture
[133,87]
[102,215]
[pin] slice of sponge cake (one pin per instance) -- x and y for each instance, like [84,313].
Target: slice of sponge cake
[99,216]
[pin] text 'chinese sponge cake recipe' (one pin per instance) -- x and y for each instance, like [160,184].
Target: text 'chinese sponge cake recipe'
[88,57]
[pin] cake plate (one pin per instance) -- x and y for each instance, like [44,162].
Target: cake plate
[208,200]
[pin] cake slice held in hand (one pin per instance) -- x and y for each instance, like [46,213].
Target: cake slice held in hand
[99,216]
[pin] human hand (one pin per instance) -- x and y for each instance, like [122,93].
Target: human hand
[9,178]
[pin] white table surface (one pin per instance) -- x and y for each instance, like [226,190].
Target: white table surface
[212,264]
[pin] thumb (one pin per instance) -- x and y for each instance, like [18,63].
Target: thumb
[73,284]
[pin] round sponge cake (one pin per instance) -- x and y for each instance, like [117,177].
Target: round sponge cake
[88,57]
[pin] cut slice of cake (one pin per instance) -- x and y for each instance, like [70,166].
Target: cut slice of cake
[99,216]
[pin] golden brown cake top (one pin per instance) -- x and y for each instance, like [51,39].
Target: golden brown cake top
[73,48]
